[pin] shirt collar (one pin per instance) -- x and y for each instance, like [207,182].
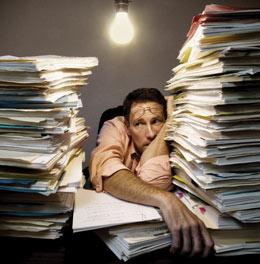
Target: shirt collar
[134,154]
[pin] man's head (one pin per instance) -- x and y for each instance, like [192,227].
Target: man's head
[145,112]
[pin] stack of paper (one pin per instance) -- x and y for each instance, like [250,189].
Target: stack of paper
[216,121]
[215,128]
[41,135]
[132,240]
[100,211]
[131,229]
[34,215]
[230,236]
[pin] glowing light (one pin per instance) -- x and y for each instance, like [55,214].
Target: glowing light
[121,30]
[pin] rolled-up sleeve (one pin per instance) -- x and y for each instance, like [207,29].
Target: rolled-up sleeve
[156,171]
[107,158]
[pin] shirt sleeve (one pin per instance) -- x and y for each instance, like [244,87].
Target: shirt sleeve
[107,158]
[156,171]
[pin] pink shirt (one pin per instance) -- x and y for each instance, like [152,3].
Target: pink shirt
[115,151]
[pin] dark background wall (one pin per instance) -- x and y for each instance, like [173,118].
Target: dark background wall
[79,28]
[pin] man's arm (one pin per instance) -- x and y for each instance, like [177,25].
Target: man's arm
[156,148]
[189,235]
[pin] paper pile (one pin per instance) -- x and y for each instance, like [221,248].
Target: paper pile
[41,141]
[216,120]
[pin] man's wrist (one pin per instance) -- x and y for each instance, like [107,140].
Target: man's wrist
[162,199]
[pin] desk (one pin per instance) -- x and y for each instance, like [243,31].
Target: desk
[86,247]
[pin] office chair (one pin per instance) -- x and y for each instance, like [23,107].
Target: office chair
[110,114]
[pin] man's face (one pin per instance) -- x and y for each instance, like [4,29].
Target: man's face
[145,121]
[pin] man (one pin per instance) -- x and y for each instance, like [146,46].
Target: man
[131,162]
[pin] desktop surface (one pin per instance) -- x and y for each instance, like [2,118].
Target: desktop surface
[86,247]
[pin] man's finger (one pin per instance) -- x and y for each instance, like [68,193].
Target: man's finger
[208,241]
[196,241]
[186,241]
[176,242]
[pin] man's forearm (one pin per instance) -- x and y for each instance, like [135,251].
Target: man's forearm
[124,185]
[157,147]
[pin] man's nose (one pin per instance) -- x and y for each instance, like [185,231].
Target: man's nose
[150,132]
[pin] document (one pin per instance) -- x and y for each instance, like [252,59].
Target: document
[73,172]
[45,63]
[97,210]
[210,216]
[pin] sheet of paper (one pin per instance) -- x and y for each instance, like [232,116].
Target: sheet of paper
[96,210]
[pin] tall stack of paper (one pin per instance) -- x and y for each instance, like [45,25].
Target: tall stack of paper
[41,141]
[215,129]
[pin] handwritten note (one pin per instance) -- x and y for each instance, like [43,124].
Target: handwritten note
[94,210]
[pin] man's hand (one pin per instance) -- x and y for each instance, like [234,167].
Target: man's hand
[189,234]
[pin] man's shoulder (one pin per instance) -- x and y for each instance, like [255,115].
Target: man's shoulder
[114,130]
[116,122]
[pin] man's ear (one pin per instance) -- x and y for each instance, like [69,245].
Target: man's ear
[127,127]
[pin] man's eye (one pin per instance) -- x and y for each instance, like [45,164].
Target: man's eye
[157,121]
[138,124]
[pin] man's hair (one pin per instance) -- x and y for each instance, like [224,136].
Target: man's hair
[143,95]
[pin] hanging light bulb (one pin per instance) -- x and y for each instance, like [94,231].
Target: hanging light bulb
[121,30]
